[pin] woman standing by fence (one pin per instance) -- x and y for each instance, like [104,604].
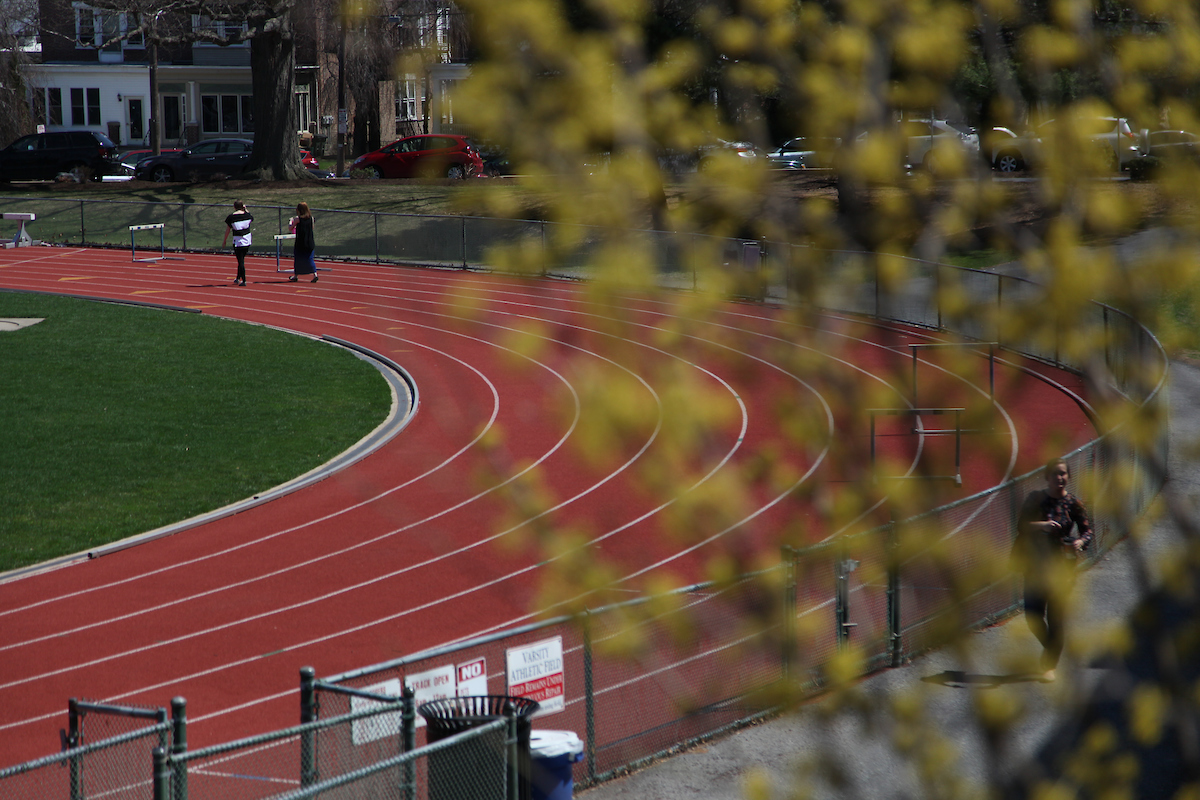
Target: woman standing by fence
[302,255]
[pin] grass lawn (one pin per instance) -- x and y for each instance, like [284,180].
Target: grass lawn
[120,419]
[394,196]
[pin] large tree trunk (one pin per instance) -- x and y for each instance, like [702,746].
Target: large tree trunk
[16,120]
[276,154]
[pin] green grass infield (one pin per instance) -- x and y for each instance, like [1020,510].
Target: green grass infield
[121,419]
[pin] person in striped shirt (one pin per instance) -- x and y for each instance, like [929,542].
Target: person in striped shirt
[238,223]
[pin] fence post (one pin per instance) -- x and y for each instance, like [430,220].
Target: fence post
[162,774]
[589,696]
[878,300]
[463,242]
[789,612]
[183,222]
[999,309]
[843,566]
[893,594]
[1108,367]
[179,747]
[937,294]
[408,724]
[514,759]
[375,216]
[308,713]
[82,226]
[73,742]
[164,735]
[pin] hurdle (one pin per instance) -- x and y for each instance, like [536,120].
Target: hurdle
[957,430]
[22,239]
[162,244]
[280,238]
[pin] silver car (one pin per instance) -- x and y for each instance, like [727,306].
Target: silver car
[1113,136]
[1173,145]
[805,153]
[931,139]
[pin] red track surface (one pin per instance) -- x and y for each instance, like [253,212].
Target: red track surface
[411,546]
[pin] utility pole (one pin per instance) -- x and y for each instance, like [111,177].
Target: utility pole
[155,139]
[152,38]
[343,117]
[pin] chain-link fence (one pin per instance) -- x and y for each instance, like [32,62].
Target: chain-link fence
[634,684]
[283,761]
[640,679]
[473,765]
[118,767]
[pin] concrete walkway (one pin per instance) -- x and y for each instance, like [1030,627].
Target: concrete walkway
[844,753]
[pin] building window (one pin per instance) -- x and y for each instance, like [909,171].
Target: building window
[54,106]
[85,27]
[93,106]
[136,41]
[303,109]
[408,99]
[247,114]
[77,108]
[446,95]
[231,121]
[37,103]
[442,30]
[226,113]
[94,27]
[221,29]
[108,28]
[210,114]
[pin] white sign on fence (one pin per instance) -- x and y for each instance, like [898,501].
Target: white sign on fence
[472,678]
[536,671]
[381,725]
[434,684]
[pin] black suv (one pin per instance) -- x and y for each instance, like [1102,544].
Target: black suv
[45,156]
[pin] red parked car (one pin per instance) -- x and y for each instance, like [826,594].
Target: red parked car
[309,160]
[426,156]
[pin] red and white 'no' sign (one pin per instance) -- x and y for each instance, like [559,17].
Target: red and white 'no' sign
[472,678]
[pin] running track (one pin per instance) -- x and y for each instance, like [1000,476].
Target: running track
[430,538]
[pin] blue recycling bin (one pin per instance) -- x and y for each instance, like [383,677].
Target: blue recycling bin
[552,754]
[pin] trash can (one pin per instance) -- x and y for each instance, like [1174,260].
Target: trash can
[477,771]
[552,755]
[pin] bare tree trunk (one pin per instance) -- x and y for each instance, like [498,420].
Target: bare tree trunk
[16,121]
[276,154]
